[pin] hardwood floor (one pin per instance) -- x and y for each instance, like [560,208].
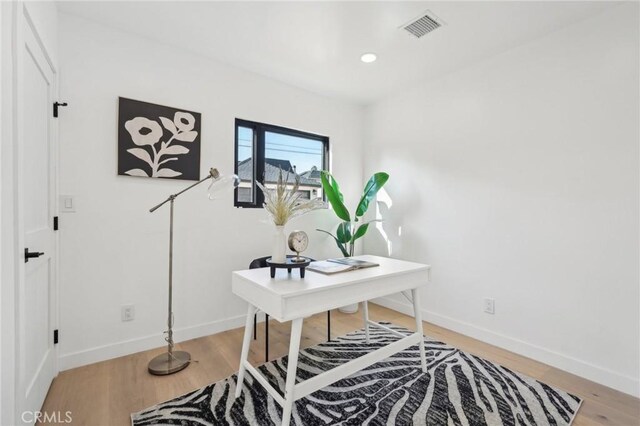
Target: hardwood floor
[106,393]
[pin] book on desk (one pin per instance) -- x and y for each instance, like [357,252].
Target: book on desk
[343,264]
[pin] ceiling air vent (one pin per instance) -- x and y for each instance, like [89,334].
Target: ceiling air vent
[422,25]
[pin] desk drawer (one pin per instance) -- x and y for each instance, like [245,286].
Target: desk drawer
[308,304]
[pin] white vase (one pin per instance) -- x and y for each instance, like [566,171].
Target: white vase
[279,249]
[349,309]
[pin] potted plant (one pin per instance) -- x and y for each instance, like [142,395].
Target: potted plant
[352,228]
[283,203]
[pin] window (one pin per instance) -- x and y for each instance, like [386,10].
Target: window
[262,150]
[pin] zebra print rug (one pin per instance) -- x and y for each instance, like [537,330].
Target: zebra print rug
[458,389]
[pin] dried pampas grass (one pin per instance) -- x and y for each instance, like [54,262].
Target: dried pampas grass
[283,204]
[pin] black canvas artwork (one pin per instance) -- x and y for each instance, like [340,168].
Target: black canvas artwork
[158,141]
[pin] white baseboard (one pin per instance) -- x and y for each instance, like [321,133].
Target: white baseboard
[604,376]
[127,347]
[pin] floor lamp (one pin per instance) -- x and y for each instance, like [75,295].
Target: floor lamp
[173,361]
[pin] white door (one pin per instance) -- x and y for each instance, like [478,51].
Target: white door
[36,207]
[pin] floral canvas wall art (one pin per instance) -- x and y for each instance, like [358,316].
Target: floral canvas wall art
[158,141]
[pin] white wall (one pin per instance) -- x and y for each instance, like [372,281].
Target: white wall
[517,179]
[112,250]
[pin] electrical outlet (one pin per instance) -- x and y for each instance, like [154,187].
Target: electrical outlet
[128,313]
[489,306]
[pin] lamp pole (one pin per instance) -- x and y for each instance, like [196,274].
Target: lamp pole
[173,361]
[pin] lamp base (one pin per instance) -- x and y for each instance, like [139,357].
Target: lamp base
[165,364]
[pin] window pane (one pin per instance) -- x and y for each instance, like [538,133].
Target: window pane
[295,155]
[245,164]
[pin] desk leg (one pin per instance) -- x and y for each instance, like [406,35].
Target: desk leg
[292,366]
[248,326]
[266,337]
[417,313]
[365,317]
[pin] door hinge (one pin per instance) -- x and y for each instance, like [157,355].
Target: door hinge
[55,223]
[55,108]
[55,337]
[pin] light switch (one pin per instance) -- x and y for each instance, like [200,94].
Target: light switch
[67,204]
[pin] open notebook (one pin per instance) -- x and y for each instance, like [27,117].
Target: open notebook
[334,266]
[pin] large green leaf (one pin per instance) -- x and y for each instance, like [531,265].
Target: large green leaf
[330,187]
[334,184]
[344,251]
[376,182]
[362,229]
[344,232]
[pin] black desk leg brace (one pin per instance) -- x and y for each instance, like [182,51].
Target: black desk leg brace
[266,333]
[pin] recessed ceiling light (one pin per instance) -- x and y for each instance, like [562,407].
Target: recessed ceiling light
[368,57]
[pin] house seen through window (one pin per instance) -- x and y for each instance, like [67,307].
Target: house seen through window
[262,150]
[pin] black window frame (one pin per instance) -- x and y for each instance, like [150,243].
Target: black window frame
[259,130]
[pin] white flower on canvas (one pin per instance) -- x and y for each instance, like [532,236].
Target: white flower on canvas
[147,134]
[184,121]
[143,131]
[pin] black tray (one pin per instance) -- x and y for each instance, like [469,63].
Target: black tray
[289,264]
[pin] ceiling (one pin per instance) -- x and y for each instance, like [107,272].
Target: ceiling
[317,45]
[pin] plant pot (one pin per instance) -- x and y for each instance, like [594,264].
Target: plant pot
[349,309]
[279,248]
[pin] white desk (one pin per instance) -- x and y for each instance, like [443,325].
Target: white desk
[291,298]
